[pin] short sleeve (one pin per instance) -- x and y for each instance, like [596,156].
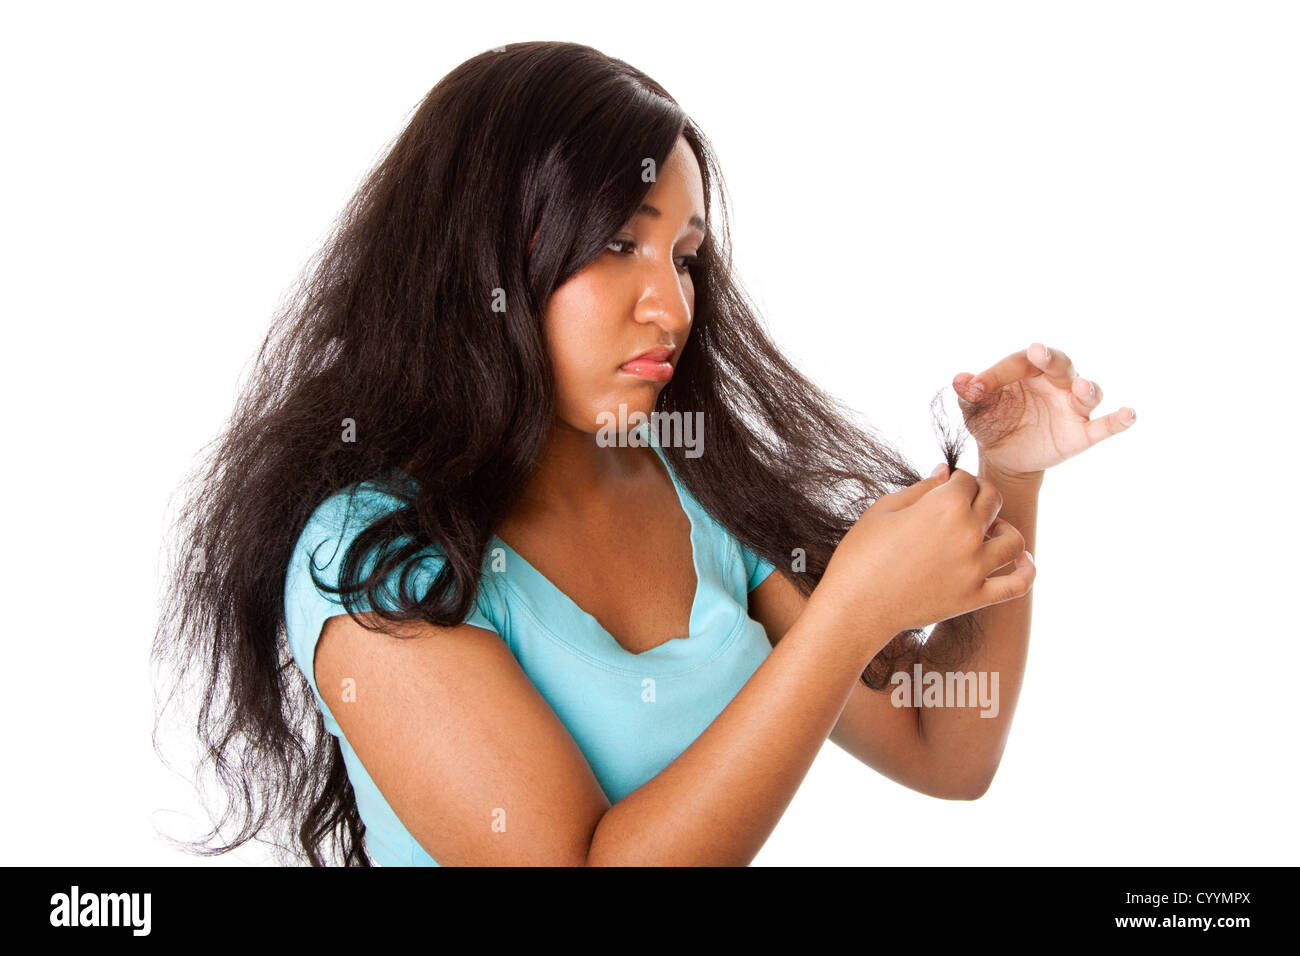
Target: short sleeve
[322,547]
[756,568]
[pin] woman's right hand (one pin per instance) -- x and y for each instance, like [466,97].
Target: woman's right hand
[919,556]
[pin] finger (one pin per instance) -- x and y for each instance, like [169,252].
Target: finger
[1008,587]
[975,388]
[1099,428]
[987,504]
[1033,361]
[962,483]
[905,497]
[961,385]
[1054,363]
[1005,544]
[1087,395]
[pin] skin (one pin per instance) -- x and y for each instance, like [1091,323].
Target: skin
[454,734]
[593,515]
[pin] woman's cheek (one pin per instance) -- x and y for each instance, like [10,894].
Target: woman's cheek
[582,389]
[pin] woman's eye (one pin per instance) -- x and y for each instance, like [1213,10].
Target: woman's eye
[684,263]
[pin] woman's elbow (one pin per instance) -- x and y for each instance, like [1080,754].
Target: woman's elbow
[966,788]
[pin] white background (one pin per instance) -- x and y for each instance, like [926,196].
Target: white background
[919,189]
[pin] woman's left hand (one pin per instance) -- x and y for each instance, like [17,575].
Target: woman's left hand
[1033,412]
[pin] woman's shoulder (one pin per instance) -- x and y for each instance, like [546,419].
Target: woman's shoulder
[324,541]
[347,512]
[312,579]
[335,523]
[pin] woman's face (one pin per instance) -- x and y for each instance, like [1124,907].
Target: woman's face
[635,297]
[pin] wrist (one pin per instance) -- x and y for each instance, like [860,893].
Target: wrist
[1028,481]
[848,623]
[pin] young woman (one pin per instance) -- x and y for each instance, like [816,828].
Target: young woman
[458,596]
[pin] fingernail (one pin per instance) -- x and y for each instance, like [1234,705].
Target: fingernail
[976,388]
[1030,556]
[939,470]
[1129,421]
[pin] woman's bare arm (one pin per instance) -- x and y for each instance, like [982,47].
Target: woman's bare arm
[482,772]
[951,753]
[963,736]
[463,747]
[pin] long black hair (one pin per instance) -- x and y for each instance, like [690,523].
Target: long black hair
[392,360]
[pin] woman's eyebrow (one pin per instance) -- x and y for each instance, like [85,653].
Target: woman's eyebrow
[654,212]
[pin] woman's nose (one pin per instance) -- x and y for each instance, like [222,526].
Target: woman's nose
[664,302]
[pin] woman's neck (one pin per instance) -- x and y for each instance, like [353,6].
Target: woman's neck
[574,471]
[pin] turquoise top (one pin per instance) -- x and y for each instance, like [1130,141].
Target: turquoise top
[631,714]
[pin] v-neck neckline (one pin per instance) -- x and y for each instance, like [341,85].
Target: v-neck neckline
[617,649]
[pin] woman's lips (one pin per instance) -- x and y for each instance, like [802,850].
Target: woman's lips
[645,368]
[652,365]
